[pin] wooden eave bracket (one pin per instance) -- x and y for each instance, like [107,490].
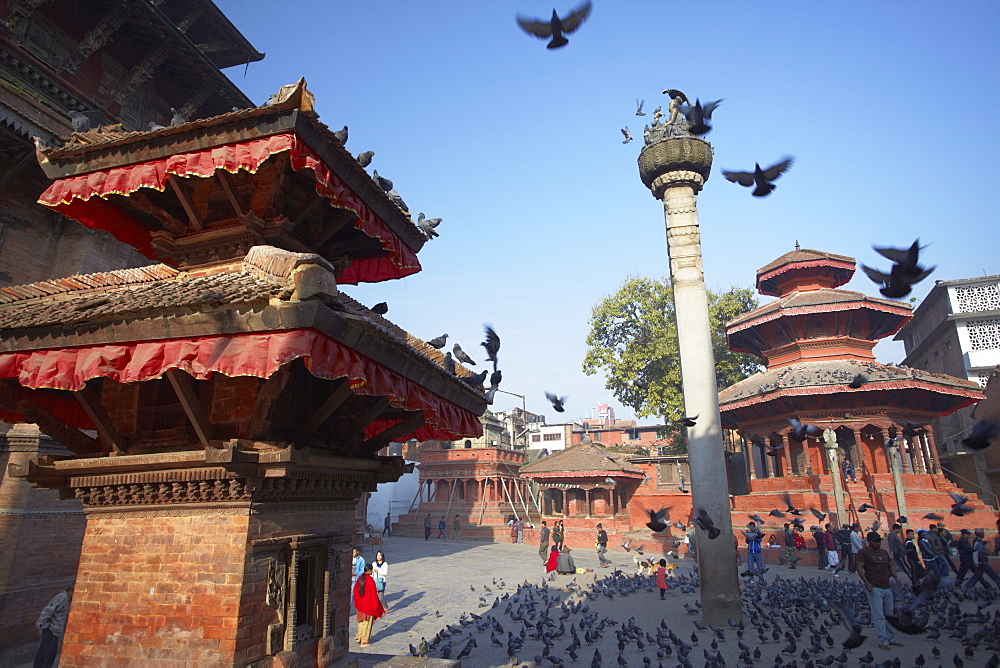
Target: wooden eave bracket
[407,425]
[373,413]
[13,399]
[325,410]
[184,388]
[113,439]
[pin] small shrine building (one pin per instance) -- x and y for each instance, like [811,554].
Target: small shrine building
[817,343]
[223,408]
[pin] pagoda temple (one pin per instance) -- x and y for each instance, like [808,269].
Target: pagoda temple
[817,343]
[223,407]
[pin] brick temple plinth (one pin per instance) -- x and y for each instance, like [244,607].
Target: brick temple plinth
[222,410]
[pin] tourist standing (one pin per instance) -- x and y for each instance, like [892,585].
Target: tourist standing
[856,546]
[456,526]
[661,575]
[691,537]
[367,605]
[388,525]
[874,566]
[789,555]
[543,542]
[380,573]
[843,537]
[830,542]
[602,546]
[558,534]
[820,539]
[442,528]
[913,556]
[519,530]
[427,527]
[896,550]
[51,623]
[357,564]
[755,562]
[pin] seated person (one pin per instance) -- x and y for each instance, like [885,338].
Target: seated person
[565,565]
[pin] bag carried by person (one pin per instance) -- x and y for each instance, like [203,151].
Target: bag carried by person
[379,583]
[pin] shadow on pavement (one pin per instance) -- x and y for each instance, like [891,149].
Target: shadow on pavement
[399,600]
[397,626]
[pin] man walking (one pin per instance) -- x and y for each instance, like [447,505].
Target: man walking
[455,527]
[543,543]
[981,563]
[51,624]
[896,550]
[965,558]
[519,530]
[427,527]
[843,536]
[820,539]
[388,525]
[602,546]
[442,529]
[856,546]
[875,567]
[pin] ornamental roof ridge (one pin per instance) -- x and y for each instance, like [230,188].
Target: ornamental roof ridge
[804,255]
[822,296]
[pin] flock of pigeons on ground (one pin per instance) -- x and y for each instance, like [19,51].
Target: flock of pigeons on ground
[789,623]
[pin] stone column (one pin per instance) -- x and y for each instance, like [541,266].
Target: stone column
[892,454]
[675,170]
[833,458]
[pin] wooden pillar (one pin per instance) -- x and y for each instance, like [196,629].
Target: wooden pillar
[788,469]
[589,504]
[565,507]
[807,457]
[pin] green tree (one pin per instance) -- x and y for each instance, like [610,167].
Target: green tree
[633,339]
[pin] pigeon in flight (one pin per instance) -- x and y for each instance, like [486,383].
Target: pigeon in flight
[427,226]
[699,116]
[381,308]
[912,429]
[959,508]
[492,345]
[904,272]
[790,507]
[762,178]
[176,118]
[80,121]
[851,623]
[638,107]
[933,516]
[556,28]
[657,520]
[461,355]
[801,431]
[627,134]
[365,159]
[983,432]
[438,342]
[758,519]
[558,403]
[705,523]
[686,421]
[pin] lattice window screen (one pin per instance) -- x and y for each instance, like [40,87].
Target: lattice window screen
[984,334]
[978,298]
[984,376]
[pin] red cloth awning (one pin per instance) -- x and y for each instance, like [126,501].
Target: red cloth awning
[255,354]
[72,197]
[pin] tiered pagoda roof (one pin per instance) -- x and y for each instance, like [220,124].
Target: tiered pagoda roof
[579,461]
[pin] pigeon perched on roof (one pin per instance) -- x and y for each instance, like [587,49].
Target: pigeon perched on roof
[341,135]
[461,355]
[153,125]
[381,308]
[477,380]
[555,28]
[762,178]
[365,159]
[427,225]
[438,341]
[176,117]
[449,364]
[81,123]
[382,182]
[495,378]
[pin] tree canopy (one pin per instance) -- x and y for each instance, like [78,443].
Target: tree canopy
[633,339]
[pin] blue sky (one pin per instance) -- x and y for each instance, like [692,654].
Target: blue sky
[888,107]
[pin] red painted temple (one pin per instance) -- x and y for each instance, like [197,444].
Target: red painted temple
[223,408]
[815,340]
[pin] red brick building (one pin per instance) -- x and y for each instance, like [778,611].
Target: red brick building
[124,65]
[237,396]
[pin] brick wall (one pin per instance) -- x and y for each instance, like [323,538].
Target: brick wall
[154,587]
[40,537]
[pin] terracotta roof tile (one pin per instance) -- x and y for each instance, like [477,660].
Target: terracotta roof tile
[803,255]
[810,298]
[583,457]
[835,373]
